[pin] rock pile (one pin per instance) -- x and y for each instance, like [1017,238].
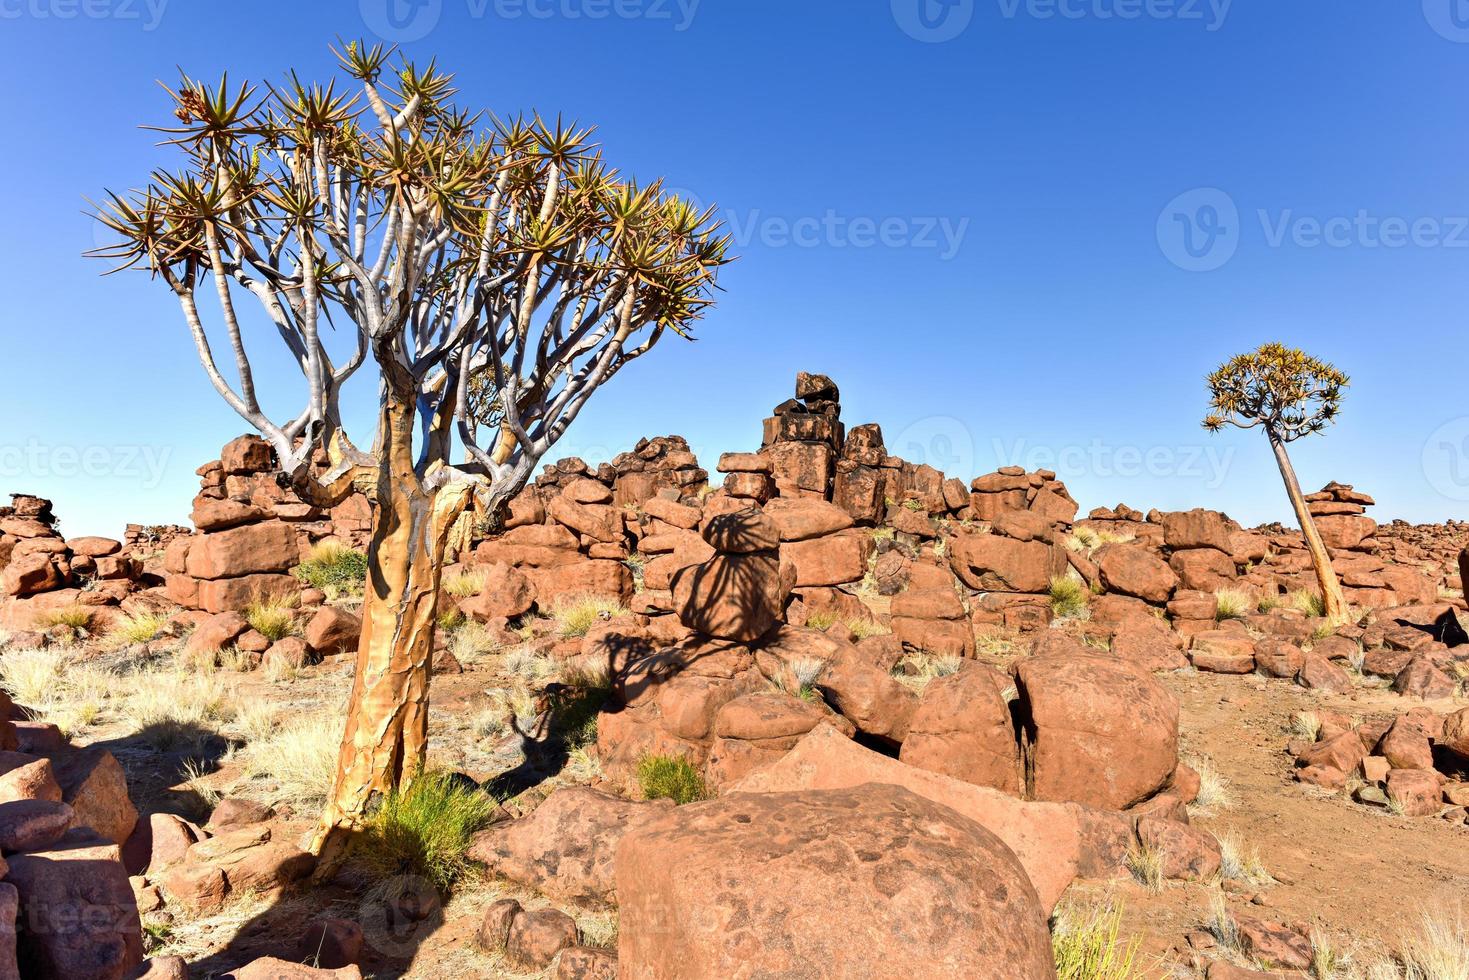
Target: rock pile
[43,574]
[251,532]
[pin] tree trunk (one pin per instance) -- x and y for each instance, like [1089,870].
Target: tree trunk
[1331,594]
[387,716]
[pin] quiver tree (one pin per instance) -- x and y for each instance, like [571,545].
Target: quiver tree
[1289,394]
[468,265]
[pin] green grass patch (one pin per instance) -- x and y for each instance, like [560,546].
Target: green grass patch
[1069,596]
[425,830]
[334,569]
[664,777]
[1086,946]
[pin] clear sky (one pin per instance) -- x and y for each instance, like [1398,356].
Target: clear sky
[1012,230]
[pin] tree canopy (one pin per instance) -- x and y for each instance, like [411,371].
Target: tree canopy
[482,262]
[1285,390]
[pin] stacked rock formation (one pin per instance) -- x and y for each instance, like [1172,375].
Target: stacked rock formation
[42,572]
[252,531]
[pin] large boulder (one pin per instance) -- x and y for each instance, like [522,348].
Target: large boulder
[1098,730]
[872,882]
[79,919]
[94,785]
[733,597]
[1135,571]
[247,550]
[962,728]
[992,563]
[506,594]
[1197,528]
[1055,842]
[564,848]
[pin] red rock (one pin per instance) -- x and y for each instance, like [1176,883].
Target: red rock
[1203,569]
[1188,854]
[742,532]
[27,777]
[246,454]
[1321,674]
[832,560]
[1344,531]
[233,811]
[1418,791]
[1406,745]
[1054,841]
[787,884]
[331,943]
[608,579]
[585,963]
[1134,571]
[1425,679]
[200,887]
[799,468]
[991,563]
[32,825]
[757,729]
[161,968]
[270,968]
[94,547]
[940,637]
[1342,752]
[564,847]
[1099,731]
[600,522]
[221,515]
[248,550]
[1149,644]
[876,702]
[30,574]
[1327,777]
[1273,943]
[1278,658]
[962,729]
[332,630]
[494,925]
[800,519]
[536,937]
[94,785]
[236,593]
[1196,528]
[81,919]
[1455,735]
[734,597]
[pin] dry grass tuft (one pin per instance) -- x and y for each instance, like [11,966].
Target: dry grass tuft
[576,615]
[298,757]
[274,619]
[464,583]
[1214,792]
[1070,597]
[138,628]
[1237,862]
[1146,865]
[1085,944]
[1232,604]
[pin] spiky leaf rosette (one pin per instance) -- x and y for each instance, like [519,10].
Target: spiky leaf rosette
[1284,390]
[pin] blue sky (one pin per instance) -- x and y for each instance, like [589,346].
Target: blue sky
[1012,230]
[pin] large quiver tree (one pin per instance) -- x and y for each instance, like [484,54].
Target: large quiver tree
[1289,394]
[469,264]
